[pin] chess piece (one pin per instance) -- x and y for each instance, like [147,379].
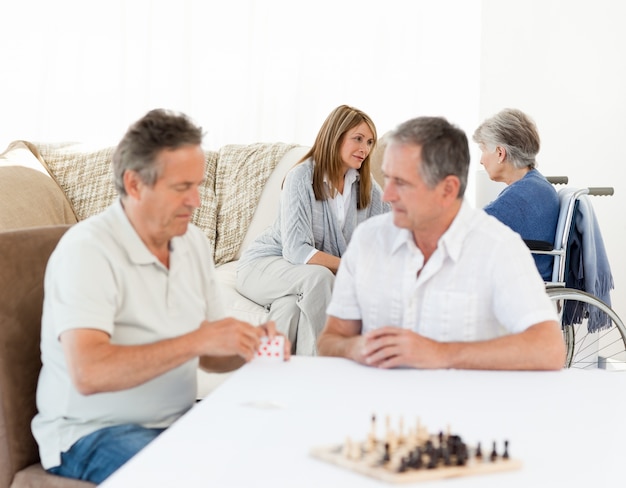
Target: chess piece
[494,453]
[370,443]
[355,452]
[401,438]
[386,455]
[461,454]
[479,452]
[392,439]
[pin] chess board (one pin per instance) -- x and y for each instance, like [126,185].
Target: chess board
[418,456]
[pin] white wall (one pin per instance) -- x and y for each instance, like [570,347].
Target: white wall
[246,70]
[564,63]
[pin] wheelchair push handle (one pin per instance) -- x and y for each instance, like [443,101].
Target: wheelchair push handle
[601,190]
[558,180]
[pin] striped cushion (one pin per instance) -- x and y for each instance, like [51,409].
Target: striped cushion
[86,176]
[240,178]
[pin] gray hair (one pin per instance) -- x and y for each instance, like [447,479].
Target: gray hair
[513,130]
[138,150]
[445,150]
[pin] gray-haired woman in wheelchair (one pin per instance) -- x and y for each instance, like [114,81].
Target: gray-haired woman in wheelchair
[509,142]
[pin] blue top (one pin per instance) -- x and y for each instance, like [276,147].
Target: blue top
[530,207]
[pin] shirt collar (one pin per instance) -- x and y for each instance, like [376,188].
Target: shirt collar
[350,177]
[451,242]
[138,252]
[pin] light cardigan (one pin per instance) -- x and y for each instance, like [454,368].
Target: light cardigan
[304,223]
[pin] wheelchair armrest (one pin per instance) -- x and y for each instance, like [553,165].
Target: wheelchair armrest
[538,245]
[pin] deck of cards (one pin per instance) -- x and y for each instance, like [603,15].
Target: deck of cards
[272,349]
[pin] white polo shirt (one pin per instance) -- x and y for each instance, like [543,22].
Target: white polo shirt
[480,283]
[102,276]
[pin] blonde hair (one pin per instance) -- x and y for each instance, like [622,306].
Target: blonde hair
[325,152]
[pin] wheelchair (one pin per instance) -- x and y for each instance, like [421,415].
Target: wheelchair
[587,346]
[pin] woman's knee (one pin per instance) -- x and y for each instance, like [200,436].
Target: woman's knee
[320,277]
[318,283]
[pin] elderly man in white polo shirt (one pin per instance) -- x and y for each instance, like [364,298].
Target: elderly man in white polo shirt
[437,283]
[131,307]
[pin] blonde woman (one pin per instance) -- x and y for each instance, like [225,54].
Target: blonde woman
[290,268]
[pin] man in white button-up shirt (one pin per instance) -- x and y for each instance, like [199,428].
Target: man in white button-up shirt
[436,283]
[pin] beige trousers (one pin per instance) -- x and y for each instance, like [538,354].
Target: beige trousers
[297,296]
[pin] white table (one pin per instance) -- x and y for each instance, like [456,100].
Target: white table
[567,427]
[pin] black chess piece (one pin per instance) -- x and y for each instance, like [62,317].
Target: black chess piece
[386,456]
[446,456]
[429,446]
[461,454]
[404,465]
[506,450]
[494,453]
[454,441]
[416,462]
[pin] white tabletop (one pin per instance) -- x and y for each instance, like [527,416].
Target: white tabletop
[257,428]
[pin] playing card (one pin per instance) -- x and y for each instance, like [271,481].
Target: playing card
[272,349]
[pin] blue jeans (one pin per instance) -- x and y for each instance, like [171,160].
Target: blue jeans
[97,455]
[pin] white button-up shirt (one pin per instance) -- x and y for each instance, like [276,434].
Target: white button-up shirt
[481,282]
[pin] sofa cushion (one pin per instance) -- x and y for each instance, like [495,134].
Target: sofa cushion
[22,260]
[83,172]
[35,476]
[267,208]
[241,175]
[238,306]
[29,197]
[22,153]
[205,216]
[376,159]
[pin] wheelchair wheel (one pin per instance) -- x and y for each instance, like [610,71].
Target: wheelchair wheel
[605,348]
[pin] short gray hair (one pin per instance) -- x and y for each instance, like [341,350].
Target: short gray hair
[139,148]
[513,130]
[445,150]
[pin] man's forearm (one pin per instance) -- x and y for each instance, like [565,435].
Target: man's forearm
[335,345]
[539,348]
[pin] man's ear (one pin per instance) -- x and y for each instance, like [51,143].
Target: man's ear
[450,186]
[132,183]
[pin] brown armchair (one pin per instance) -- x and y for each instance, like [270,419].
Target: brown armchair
[23,257]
